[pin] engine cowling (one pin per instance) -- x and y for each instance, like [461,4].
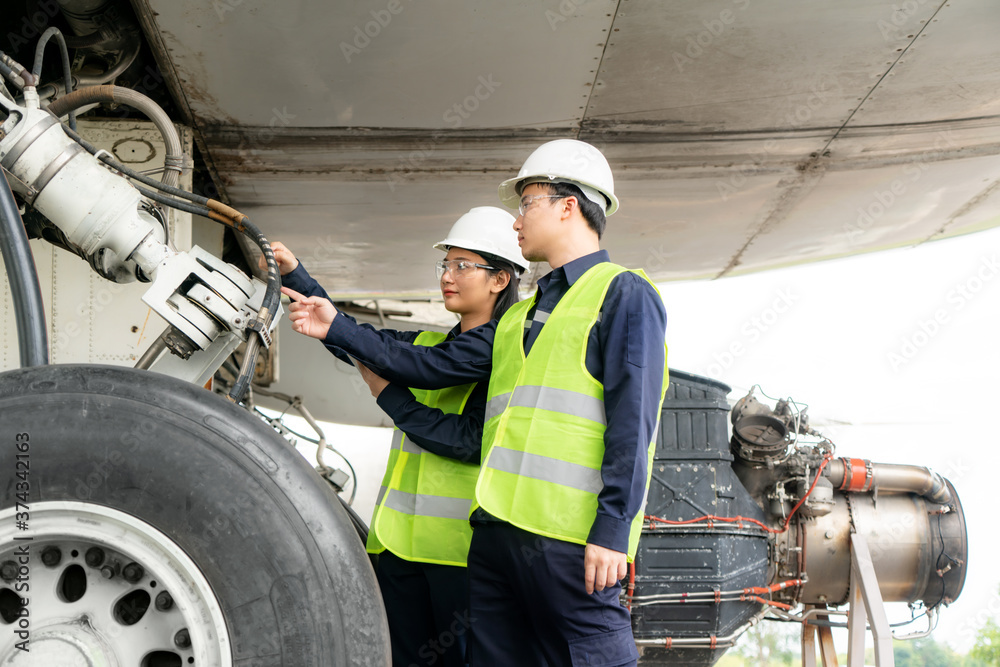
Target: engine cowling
[737,526]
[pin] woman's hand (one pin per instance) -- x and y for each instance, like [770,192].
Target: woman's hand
[283,256]
[310,315]
[375,382]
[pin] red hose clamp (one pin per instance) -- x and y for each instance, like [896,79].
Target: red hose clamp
[857,475]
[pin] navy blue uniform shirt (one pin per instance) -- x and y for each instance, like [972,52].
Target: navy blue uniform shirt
[625,353]
[454,436]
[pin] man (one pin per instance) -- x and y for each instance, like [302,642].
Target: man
[577,382]
[578,376]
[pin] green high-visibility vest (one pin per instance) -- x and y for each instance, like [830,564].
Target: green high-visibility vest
[543,440]
[422,511]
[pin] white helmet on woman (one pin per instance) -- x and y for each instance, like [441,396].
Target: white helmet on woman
[565,161]
[486,229]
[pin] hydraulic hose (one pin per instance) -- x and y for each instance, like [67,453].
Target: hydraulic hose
[25,292]
[272,294]
[36,71]
[219,212]
[87,41]
[107,77]
[173,161]
[13,69]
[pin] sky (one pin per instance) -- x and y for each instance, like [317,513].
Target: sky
[895,352]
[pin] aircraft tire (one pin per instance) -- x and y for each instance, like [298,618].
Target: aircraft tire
[260,561]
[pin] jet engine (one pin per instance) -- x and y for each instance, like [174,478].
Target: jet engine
[763,523]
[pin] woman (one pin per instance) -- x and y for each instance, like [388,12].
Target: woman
[420,526]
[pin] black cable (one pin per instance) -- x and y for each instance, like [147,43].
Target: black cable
[269,305]
[937,562]
[131,173]
[26,294]
[157,212]
[187,207]
[272,293]
[359,524]
[354,474]
[36,71]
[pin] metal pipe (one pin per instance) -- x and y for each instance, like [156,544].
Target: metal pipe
[707,642]
[915,479]
[17,70]
[893,478]
[25,291]
[931,623]
[107,77]
[36,71]
[172,161]
[153,351]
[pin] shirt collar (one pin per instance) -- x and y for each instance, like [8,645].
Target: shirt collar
[571,271]
[457,329]
[579,266]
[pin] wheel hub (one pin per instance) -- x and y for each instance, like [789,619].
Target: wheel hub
[105,590]
[71,644]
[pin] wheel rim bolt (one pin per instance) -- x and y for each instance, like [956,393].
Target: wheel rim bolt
[182,639]
[164,601]
[107,572]
[51,556]
[133,572]
[8,570]
[94,556]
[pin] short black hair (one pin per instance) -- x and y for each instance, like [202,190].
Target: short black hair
[591,212]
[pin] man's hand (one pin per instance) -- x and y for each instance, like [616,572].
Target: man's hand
[310,315]
[283,256]
[602,567]
[375,382]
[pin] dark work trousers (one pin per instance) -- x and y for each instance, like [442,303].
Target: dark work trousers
[428,610]
[530,606]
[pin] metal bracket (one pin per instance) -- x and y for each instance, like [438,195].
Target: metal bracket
[827,652]
[866,607]
[20,186]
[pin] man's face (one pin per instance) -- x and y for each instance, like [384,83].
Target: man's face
[539,226]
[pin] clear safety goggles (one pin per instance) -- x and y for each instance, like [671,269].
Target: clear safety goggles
[458,267]
[527,201]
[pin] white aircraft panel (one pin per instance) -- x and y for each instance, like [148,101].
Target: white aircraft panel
[385,63]
[878,208]
[734,65]
[946,71]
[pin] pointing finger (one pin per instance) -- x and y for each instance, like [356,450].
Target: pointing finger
[292,294]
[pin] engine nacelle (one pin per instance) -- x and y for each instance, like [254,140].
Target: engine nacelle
[763,521]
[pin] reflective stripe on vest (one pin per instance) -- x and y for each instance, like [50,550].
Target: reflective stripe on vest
[422,510]
[546,469]
[548,398]
[543,441]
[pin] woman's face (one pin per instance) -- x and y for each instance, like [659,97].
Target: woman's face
[467,288]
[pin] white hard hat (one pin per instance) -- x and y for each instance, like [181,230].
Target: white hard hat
[486,229]
[565,161]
